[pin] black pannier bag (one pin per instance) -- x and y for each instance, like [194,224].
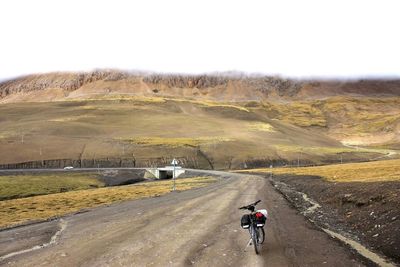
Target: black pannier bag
[245,221]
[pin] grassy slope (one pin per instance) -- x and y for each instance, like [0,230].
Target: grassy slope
[17,211]
[355,120]
[18,186]
[143,128]
[377,171]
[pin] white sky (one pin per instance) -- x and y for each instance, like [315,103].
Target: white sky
[291,38]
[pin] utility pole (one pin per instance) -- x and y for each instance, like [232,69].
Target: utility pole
[298,160]
[41,157]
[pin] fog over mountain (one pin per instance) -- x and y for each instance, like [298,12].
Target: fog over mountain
[330,39]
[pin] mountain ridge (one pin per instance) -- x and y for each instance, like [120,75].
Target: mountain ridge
[217,87]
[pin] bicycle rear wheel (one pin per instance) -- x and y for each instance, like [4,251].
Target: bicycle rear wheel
[261,237]
[255,239]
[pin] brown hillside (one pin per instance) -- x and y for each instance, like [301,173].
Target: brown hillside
[209,121]
[63,86]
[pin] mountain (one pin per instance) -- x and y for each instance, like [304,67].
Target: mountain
[222,87]
[210,121]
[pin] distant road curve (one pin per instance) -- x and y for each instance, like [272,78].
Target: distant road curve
[389,152]
[198,227]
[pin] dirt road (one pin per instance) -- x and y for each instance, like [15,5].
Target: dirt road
[198,227]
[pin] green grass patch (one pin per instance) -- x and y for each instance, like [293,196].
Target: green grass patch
[19,186]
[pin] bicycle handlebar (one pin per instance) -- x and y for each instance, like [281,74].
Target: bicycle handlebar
[250,206]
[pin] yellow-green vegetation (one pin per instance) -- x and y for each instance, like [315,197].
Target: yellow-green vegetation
[376,122]
[316,149]
[261,126]
[211,104]
[177,142]
[354,115]
[5,135]
[18,186]
[137,127]
[363,115]
[67,119]
[375,171]
[17,211]
[120,96]
[304,114]
[206,103]
[336,151]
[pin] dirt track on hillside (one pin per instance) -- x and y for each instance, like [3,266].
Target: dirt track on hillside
[198,227]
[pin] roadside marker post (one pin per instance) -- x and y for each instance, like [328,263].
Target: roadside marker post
[270,172]
[174,163]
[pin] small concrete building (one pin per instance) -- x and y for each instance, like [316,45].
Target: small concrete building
[165,173]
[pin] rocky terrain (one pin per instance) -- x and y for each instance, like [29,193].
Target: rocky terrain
[65,81]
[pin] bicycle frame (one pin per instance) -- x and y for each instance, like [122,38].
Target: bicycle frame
[257,234]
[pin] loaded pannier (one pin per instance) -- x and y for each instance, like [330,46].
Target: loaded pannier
[260,218]
[245,221]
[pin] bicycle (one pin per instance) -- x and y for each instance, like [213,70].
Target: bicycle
[255,222]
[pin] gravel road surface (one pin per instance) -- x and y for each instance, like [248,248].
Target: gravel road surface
[199,227]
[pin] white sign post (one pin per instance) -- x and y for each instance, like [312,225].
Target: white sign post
[174,163]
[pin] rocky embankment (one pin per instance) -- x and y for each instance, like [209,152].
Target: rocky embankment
[365,212]
[66,81]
